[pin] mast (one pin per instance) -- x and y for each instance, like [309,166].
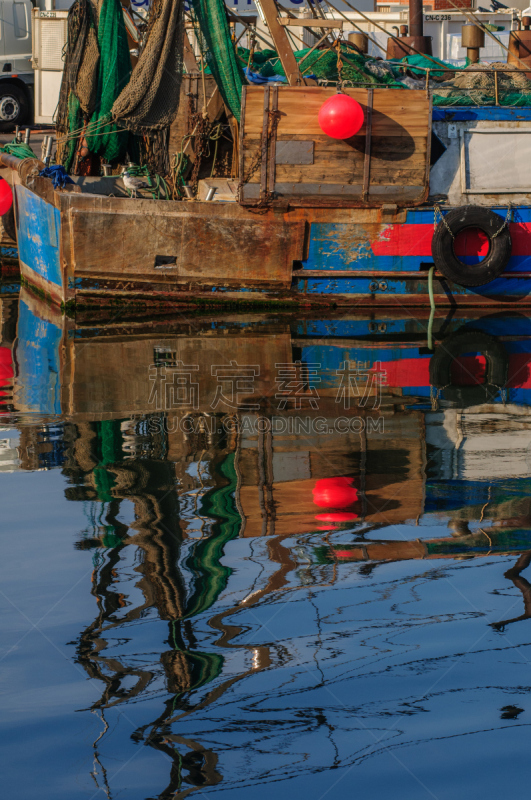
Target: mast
[282,43]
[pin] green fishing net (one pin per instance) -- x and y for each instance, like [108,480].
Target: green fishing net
[323,65]
[218,51]
[66,154]
[114,71]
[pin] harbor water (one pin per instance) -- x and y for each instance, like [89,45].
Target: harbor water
[247,556]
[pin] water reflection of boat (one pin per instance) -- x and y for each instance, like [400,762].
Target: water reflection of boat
[470,356]
[8,327]
[170,493]
[182,576]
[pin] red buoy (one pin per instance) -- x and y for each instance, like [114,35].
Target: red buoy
[340,116]
[6,197]
[334,493]
[337,516]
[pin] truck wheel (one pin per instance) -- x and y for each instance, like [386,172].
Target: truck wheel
[14,106]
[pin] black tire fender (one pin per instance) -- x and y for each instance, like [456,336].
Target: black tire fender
[457,220]
[497,367]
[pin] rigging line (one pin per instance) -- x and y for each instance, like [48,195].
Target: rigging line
[354,25]
[391,35]
[329,49]
[292,16]
[316,45]
[486,504]
[479,24]
[241,20]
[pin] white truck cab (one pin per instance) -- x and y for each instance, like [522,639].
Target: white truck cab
[17,76]
[16,72]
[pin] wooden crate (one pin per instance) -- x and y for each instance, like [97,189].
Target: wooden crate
[387,162]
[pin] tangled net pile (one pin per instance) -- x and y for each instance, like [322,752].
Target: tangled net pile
[478,88]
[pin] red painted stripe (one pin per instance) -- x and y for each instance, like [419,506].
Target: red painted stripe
[415,240]
[416,371]
[6,370]
[6,364]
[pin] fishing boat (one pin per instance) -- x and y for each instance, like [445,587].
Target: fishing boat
[426,204]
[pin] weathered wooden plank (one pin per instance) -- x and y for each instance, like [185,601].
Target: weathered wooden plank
[395,111]
[398,123]
[401,156]
[180,247]
[273,141]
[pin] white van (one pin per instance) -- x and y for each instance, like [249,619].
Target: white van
[16,73]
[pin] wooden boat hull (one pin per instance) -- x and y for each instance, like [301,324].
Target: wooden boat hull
[92,250]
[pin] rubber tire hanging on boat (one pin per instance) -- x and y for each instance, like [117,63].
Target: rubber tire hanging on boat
[457,220]
[458,344]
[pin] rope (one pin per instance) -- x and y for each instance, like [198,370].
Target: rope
[18,149]
[215,135]
[156,182]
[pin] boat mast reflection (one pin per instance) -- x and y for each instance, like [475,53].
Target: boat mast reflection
[102,472]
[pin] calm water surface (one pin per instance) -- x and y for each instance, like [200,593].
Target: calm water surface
[254,556]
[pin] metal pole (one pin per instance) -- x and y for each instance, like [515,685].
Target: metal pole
[27,135]
[416,19]
[49,146]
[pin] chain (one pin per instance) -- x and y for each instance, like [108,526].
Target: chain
[267,196]
[438,213]
[202,128]
[339,64]
[435,221]
[507,218]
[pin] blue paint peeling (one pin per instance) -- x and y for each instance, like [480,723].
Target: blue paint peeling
[38,232]
[39,368]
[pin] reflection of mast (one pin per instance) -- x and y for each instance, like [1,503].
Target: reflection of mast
[102,472]
[523,585]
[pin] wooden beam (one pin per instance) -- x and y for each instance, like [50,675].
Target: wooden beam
[273,142]
[368,137]
[311,23]
[282,43]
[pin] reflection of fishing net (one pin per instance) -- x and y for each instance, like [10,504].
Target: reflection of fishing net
[151,98]
[472,88]
[218,51]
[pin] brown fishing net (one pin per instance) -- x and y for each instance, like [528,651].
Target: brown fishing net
[81,37]
[150,100]
[477,85]
[87,76]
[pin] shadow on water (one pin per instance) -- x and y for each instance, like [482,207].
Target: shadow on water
[273,508]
